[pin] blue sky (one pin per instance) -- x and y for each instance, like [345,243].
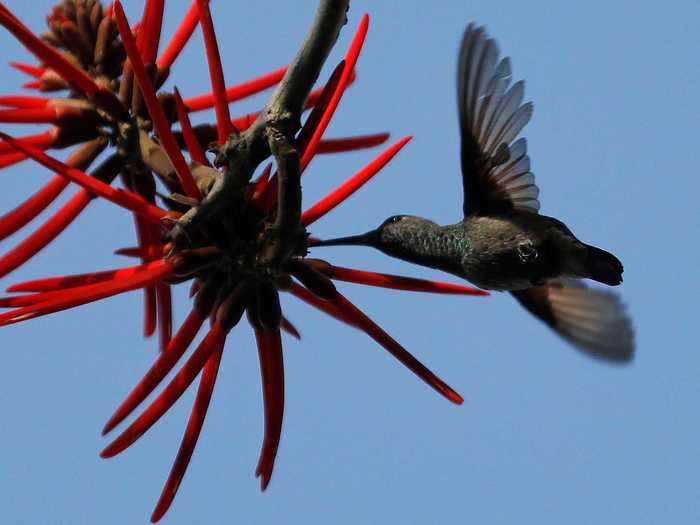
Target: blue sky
[545,435]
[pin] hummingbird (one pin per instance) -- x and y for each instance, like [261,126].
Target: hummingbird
[503,243]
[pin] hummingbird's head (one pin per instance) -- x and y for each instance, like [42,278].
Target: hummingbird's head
[391,237]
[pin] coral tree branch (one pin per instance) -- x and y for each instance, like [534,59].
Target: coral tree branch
[288,99]
[277,124]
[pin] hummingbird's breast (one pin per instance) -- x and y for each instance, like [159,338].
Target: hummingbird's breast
[424,242]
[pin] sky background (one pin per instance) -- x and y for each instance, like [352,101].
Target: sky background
[546,435]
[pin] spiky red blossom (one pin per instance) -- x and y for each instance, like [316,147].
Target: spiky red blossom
[239,250]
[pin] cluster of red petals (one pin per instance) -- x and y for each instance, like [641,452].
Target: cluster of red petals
[157,270]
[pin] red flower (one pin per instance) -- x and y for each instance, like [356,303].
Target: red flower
[238,257]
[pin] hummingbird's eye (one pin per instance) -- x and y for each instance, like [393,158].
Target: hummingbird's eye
[393,220]
[527,252]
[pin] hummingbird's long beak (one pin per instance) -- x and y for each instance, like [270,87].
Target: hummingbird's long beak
[370,238]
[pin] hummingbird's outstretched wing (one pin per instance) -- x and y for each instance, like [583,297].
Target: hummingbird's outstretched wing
[593,320]
[496,174]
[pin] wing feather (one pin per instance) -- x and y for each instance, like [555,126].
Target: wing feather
[515,124]
[593,320]
[495,170]
[492,96]
[509,104]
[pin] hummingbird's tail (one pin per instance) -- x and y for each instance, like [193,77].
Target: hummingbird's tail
[603,266]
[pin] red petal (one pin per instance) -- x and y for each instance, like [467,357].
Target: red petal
[29,209]
[33,206]
[152,272]
[36,84]
[398,282]
[315,96]
[45,233]
[149,35]
[272,371]
[244,122]
[34,71]
[29,115]
[126,199]
[348,313]
[19,101]
[189,440]
[223,117]
[149,311]
[160,122]
[165,315]
[37,203]
[394,348]
[266,199]
[163,365]
[237,92]
[320,106]
[191,140]
[143,234]
[326,307]
[288,327]
[214,339]
[11,159]
[325,106]
[150,251]
[64,282]
[344,191]
[340,145]
[41,140]
[350,61]
[180,38]
[54,288]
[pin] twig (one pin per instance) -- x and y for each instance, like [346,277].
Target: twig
[272,132]
[283,237]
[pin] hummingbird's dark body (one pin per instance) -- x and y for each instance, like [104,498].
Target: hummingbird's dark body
[503,243]
[508,252]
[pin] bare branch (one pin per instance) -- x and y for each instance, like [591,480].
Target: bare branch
[273,132]
[284,235]
[288,99]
